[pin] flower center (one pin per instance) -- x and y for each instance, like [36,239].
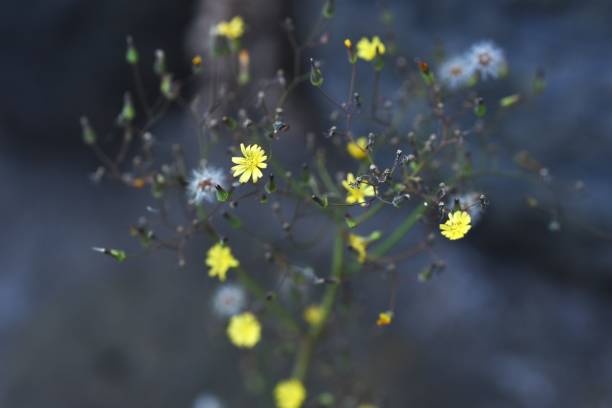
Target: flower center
[205,184]
[484,58]
[456,71]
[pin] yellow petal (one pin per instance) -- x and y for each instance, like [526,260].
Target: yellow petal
[245,176]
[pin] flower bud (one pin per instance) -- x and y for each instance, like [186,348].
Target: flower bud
[196,64]
[128,112]
[131,54]
[316,77]
[89,136]
[329,9]
[159,65]
[480,109]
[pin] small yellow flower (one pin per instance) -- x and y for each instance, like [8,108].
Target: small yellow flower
[359,193]
[289,394]
[313,315]
[244,330]
[457,225]
[357,148]
[254,158]
[196,61]
[384,318]
[219,258]
[348,44]
[232,29]
[359,244]
[368,50]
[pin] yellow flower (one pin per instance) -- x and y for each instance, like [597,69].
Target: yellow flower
[384,318]
[457,225]
[359,244]
[232,29]
[313,315]
[196,60]
[244,330]
[219,258]
[357,148]
[289,394]
[348,44]
[254,158]
[367,49]
[359,193]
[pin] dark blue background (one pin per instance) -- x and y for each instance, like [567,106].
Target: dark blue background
[520,318]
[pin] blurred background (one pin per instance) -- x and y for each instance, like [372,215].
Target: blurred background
[521,317]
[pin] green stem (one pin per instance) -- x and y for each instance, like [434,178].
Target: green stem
[260,293]
[399,233]
[308,344]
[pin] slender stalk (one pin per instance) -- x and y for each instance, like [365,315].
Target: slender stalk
[260,293]
[399,233]
[307,347]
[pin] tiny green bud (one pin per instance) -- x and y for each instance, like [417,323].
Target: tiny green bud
[375,235]
[480,109]
[222,194]
[323,202]
[270,186]
[159,65]
[131,54]
[316,77]
[167,87]
[118,254]
[128,113]
[89,136]
[329,9]
[350,221]
[539,82]
[509,100]
[233,220]
[229,122]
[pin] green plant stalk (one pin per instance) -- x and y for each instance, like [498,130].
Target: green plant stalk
[308,344]
[253,287]
[399,233]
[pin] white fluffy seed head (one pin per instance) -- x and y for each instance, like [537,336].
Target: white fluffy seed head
[203,182]
[228,300]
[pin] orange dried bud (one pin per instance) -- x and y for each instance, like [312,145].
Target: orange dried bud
[424,67]
[138,183]
[243,57]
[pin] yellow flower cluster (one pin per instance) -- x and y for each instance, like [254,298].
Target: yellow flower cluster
[232,29]
[384,318]
[244,330]
[289,394]
[248,166]
[357,148]
[359,244]
[457,225]
[313,315]
[368,49]
[358,193]
[219,258]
